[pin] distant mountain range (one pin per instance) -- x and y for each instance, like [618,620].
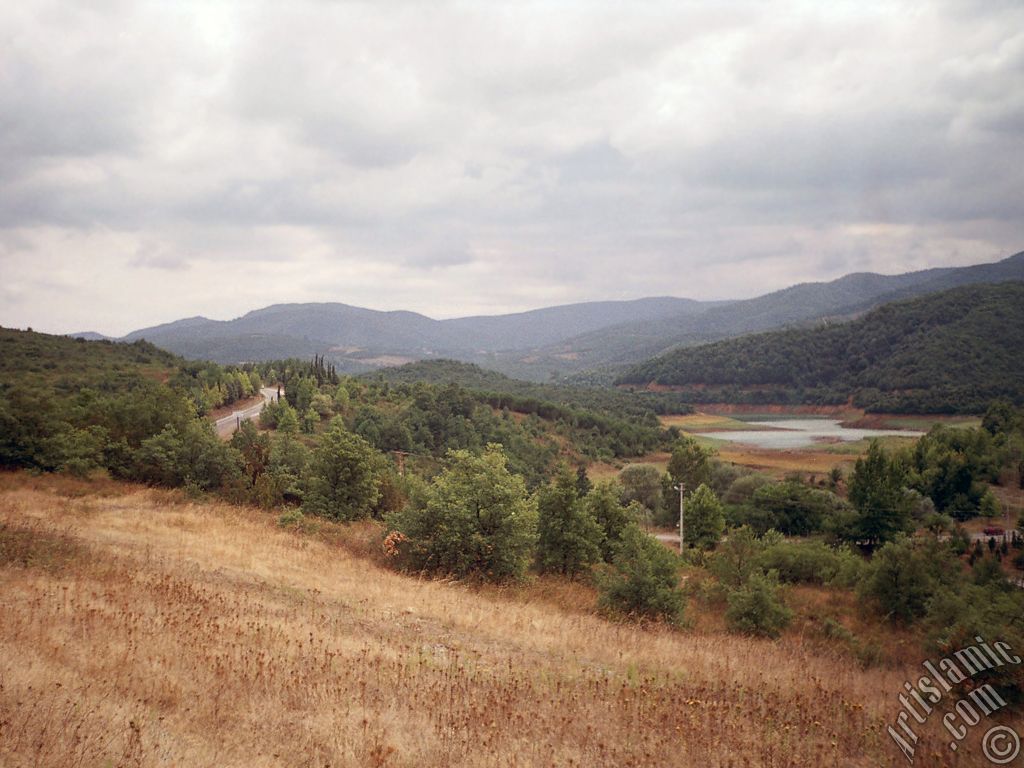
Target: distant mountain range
[601,339]
[957,350]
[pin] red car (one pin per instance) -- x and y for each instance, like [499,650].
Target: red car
[994,530]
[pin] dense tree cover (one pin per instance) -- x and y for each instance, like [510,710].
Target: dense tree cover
[209,386]
[792,508]
[65,365]
[608,402]
[192,456]
[427,420]
[73,405]
[954,351]
[953,467]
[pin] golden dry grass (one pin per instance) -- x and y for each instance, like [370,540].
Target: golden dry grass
[783,462]
[141,629]
[704,422]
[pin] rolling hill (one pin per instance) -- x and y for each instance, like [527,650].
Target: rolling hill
[611,350]
[954,351]
[361,339]
[609,401]
[599,338]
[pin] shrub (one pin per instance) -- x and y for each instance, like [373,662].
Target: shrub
[756,607]
[704,519]
[743,488]
[804,561]
[602,503]
[643,583]
[343,478]
[737,558]
[474,519]
[903,576]
[957,614]
[642,483]
[192,456]
[792,508]
[569,537]
[290,519]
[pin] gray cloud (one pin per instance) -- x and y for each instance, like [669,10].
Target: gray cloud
[164,160]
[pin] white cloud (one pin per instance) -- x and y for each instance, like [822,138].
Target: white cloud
[165,160]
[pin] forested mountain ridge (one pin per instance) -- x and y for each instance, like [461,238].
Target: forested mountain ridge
[801,304]
[350,335]
[952,351]
[545,343]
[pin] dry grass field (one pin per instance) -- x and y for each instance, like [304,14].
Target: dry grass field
[138,628]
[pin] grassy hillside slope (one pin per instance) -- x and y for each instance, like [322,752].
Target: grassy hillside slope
[142,630]
[952,351]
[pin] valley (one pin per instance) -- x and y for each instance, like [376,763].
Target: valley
[511,385]
[434,563]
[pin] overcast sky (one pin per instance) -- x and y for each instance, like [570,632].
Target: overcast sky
[162,160]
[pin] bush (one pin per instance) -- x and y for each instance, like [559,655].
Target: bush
[474,519]
[756,607]
[602,503]
[743,488]
[792,508]
[704,519]
[737,558]
[642,483]
[343,478]
[904,575]
[192,456]
[809,562]
[290,519]
[643,583]
[569,537]
[956,615]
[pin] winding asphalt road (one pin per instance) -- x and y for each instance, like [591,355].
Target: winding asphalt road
[227,425]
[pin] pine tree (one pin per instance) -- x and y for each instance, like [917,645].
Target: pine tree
[568,536]
[877,493]
[704,519]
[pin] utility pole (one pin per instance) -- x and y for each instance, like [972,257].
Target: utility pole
[682,530]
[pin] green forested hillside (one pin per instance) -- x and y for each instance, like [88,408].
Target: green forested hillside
[430,408]
[138,413]
[954,351]
[80,405]
[633,405]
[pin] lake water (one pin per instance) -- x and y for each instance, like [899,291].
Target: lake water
[787,434]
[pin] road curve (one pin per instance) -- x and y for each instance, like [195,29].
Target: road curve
[227,425]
